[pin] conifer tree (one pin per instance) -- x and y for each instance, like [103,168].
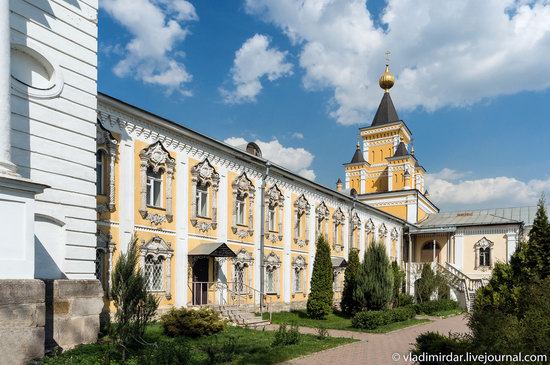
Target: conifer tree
[348,304]
[319,302]
[374,287]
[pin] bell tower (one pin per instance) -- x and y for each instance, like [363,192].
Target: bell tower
[384,170]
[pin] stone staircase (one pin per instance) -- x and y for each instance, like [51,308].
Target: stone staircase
[460,281]
[242,316]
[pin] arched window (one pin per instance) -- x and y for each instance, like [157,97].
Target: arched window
[271,219]
[274,202]
[301,210]
[154,188]
[204,188]
[240,210]
[99,263]
[483,249]
[485,256]
[156,265]
[338,218]
[100,170]
[272,264]
[298,266]
[241,268]
[323,215]
[243,206]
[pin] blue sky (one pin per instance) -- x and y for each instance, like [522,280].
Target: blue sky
[302,80]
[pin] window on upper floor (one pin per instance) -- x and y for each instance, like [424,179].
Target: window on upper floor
[201,200]
[271,217]
[154,188]
[100,169]
[485,257]
[240,210]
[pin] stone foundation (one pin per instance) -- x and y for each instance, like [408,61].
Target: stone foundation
[22,319]
[72,312]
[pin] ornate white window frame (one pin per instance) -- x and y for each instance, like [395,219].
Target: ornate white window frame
[243,261]
[394,236]
[355,224]
[382,231]
[273,263]
[483,243]
[159,248]
[204,174]
[322,214]
[301,207]
[299,265]
[106,247]
[274,199]
[243,189]
[108,144]
[158,159]
[338,219]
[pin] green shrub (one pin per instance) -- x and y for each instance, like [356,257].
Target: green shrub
[405,300]
[374,319]
[192,322]
[402,314]
[285,337]
[319,302]
[348,303]
[398,281]
[435,343]
[426,285]
[322,333]
[433,306]
[220,351]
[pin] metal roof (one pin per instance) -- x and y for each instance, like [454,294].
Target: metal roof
[338,261]
[515,215]
[218,249]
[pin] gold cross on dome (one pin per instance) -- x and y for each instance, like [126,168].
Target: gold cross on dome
[388,53]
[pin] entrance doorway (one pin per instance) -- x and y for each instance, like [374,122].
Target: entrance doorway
[427,253]
[200,281]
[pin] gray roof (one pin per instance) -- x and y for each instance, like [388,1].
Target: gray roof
[218,249]
[338,261]
[524,215]
[386,112]
[358,156]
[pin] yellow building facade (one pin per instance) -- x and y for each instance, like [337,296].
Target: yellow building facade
[210,218]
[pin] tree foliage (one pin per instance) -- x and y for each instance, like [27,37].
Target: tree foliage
[398,281]
[319,302]
[135,307]
[348,304]
[374,287]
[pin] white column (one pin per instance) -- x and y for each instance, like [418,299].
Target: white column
[366,150]
[126,191]
[346,184]
[182,228]
[362,238]
[346,233]
[222,203]
[286,243]
[257,232]
[6,166]
[390,179]
[363,187]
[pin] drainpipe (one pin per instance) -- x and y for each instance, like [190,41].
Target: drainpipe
[262,233]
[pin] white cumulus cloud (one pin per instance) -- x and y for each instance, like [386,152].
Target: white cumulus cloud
[253,61]
[451,53]
[449,191]
[297,160]
[156,27]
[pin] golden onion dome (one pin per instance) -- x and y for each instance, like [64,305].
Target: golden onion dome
[386,80]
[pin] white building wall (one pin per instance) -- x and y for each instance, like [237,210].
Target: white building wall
[53,133]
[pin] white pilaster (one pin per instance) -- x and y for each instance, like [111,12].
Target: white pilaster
[287,244]
[511,244]
[312,242]
[182,229]
[390,179]
[257,232]
[363,182]
[412,212]
[346,233]
[459,250]
[362,238]
[366,150]
[126,192]
[346,184]
[223,202]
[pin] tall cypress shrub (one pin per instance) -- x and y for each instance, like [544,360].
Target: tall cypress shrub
[374,287]
[348,304]
[319,302]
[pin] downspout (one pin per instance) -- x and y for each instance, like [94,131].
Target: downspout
[262,234]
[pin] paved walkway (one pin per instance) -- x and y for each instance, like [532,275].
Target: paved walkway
[377,349]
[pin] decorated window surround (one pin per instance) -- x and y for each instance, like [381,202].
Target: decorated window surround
[338,219]
[105,248]
[382,232]
[157,248]
[243,261]
[157,159]
[301,207]
[322,216]
[204,174]
[355,224]
[298,270]
[272,264]
[483,243]
[394,236]
[108,145]
[275,199]
[369,231]
[242,188]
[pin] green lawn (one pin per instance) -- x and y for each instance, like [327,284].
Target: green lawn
[234,345]
[337,321]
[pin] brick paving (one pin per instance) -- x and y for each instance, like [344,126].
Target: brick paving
[377,349]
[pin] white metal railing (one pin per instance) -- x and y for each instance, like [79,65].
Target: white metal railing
[215,293]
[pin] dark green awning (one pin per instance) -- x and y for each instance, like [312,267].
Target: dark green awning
[218,249]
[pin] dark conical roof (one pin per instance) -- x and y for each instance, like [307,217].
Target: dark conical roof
[386,112]
[358,156]
[401,150]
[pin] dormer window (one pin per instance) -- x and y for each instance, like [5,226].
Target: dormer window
[154,189]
